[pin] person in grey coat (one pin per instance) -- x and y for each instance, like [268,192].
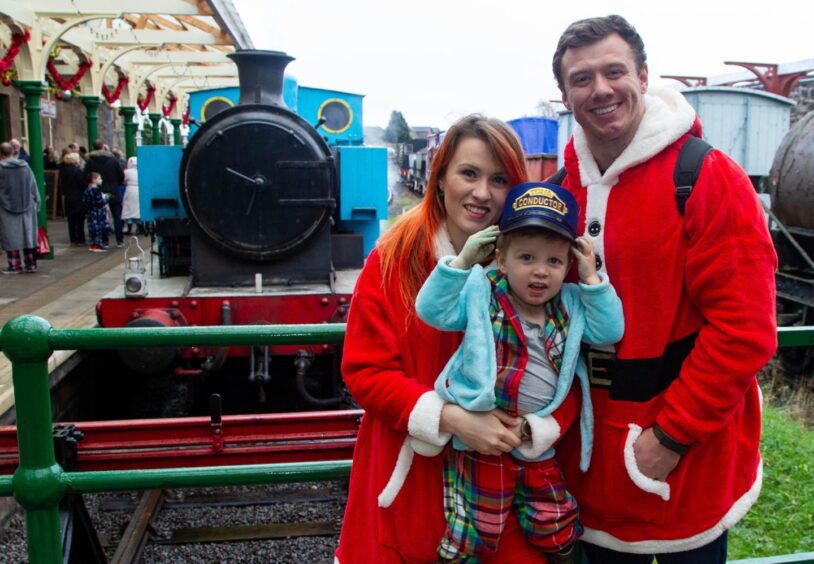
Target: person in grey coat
[19,204]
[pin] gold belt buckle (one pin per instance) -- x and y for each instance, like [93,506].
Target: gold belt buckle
[595,372]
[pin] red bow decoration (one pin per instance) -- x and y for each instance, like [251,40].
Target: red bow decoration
[185,117]
[143,102]
[168,110]
[116,93]
[17,39]
[74,80]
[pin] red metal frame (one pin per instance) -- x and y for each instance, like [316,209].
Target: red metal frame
[769,76]
[196,441]
[689,81]
[245,310]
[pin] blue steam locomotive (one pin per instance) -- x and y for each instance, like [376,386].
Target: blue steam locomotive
[264,217]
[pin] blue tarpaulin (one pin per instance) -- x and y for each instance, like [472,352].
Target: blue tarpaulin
[537,134]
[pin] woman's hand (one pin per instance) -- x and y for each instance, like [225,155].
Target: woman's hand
[479,246]
[488,432]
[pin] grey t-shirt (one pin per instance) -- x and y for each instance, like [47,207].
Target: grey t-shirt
[539,382]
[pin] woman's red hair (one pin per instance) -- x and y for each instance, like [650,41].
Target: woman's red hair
[407,248]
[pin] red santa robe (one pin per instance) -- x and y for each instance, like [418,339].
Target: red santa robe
[698,298]
[391,360]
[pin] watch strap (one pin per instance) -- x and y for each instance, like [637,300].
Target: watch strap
[668,442]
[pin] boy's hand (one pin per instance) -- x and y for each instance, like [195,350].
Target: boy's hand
[479,246]
[583,251]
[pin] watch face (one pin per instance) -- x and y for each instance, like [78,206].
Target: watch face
[256,185]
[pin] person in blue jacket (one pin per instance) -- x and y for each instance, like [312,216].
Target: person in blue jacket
[520,353]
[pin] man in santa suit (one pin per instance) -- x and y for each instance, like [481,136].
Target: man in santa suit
[676,403]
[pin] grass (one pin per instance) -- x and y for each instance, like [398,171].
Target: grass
[782,521]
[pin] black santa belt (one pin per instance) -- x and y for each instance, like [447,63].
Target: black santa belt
[639,379]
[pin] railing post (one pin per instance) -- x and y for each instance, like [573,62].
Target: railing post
[38,482]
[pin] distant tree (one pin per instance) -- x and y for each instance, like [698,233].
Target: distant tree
[546,109]
[397,130]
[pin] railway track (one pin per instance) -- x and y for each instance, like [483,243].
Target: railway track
[273,523]
[288,522]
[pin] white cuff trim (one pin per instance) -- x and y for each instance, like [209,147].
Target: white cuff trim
[426,418]
[544,432]
[735,514]
[661,489]
[424,448]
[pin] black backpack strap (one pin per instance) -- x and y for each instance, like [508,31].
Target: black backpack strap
[688,167]
[557,177]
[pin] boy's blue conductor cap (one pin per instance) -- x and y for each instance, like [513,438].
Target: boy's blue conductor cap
[538,204]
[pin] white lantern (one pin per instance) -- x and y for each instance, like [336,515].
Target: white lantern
[135,273]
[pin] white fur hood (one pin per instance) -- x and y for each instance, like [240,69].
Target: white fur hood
[667,117]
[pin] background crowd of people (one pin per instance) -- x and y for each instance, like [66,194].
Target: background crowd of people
[71,169]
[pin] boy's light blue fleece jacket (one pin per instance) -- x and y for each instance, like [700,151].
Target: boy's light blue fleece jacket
[458,300]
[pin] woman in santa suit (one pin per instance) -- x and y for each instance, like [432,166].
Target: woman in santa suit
[391,358]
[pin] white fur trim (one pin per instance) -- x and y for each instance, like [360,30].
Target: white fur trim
[424,448]
[735,514]
[661,489]
[667,117]
[544,431]
[442,243]
[336,560]
[596,209]
[403,464]
[425,419]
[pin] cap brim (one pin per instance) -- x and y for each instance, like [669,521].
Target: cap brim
[539,222]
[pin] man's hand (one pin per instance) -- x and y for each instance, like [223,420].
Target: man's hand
[583,251]
[653,459]
[479,246]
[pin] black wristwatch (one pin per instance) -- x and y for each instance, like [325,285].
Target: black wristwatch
[668,442]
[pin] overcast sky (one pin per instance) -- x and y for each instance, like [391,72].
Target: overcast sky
[438,60]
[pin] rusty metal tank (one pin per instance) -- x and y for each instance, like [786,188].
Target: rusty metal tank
[791,180]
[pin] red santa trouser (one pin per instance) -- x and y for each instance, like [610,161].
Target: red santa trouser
[481,490]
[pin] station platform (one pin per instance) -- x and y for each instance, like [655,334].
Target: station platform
[64,291]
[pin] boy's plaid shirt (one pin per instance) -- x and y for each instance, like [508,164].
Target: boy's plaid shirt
[510,343]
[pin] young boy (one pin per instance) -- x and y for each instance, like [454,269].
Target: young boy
[95,201]
[523,329]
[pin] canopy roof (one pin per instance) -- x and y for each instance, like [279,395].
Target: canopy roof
[172,46]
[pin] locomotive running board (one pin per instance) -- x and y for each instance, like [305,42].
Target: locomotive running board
[201,441]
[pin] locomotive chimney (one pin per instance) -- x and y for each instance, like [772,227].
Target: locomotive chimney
[261,76]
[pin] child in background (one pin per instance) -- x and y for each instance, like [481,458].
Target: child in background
[520,352]
[95,205]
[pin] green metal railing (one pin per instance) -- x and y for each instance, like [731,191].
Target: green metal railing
[39,482]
